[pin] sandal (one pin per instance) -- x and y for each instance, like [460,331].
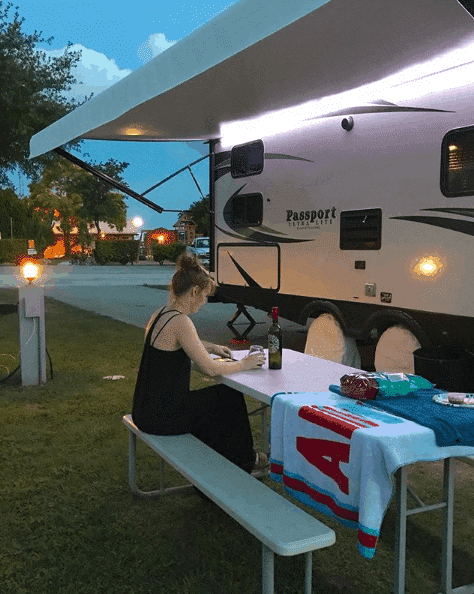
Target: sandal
[261,461]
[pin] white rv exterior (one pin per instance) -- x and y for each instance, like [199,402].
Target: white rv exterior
[356,221]
[360,197]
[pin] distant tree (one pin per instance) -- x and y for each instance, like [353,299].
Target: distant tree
[18,216]
[54,198]
[99,200]
[13,215]
[68,194]
[31,87]
[199,212]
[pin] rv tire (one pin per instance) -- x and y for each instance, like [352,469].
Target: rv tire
[394,350]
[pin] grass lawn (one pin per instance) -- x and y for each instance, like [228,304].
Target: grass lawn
[69,524]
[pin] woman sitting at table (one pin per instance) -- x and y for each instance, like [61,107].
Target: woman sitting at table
[163,403]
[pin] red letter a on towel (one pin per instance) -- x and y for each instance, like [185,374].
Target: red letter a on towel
[326,456]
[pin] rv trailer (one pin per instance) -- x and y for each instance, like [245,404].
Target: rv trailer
[341,143]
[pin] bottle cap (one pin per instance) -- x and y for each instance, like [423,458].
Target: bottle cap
[275,313]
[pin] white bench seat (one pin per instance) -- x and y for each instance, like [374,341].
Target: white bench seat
[281,527]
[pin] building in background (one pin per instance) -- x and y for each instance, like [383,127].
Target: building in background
[185,229]
[58,249]
[150,238]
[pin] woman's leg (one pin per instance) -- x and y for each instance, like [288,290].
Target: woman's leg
[219,418]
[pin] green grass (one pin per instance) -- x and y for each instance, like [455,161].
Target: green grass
[69,524]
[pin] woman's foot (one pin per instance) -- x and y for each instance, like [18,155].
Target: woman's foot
[261,461]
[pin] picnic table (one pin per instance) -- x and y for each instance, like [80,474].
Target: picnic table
[344,459]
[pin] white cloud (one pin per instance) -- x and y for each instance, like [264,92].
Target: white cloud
[154,45]
[94,72]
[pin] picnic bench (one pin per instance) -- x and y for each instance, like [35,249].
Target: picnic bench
[280,526]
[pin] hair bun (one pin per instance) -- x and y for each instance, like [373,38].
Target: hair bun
[188,261]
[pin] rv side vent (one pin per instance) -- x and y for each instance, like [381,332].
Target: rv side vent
[361,229]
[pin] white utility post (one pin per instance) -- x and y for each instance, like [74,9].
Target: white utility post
[32,335]
[32,329]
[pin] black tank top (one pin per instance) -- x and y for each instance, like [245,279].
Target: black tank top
[161,398]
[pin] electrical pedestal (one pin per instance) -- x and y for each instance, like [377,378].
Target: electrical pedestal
[32,335]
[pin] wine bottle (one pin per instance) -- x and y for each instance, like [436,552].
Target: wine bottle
[274,342]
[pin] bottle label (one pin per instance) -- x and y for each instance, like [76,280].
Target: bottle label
[273,344]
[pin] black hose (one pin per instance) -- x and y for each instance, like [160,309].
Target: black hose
[4,379]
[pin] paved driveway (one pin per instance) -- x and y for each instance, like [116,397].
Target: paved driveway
[120,293]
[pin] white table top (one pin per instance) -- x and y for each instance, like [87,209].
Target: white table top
[299,373]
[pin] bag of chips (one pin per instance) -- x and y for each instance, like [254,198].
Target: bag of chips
[368,386]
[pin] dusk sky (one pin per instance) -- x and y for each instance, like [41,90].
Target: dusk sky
[117,38]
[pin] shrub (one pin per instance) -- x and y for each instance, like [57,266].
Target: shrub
[109,251]
[11,250]
[168,252]
[126,251]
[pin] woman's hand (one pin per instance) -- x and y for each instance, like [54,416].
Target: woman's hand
[221,351]
[253,361]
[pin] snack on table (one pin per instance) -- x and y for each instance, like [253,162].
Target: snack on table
[359,385]
[456,397]
[367,386]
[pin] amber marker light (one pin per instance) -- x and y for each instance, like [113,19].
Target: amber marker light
[428,266]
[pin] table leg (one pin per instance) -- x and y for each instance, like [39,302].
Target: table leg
[266,429]
[447,554]
[401,483]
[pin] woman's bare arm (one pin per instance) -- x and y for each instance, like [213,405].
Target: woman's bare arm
[189,340]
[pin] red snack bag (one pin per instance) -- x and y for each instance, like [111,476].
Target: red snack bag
[360,386]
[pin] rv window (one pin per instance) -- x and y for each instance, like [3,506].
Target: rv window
[247,159]
[244,210]
[361,229]
[457,163]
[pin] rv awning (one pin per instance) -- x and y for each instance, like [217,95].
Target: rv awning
[259,56]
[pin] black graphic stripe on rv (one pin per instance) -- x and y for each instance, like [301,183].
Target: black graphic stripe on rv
[251,235]
[224,167]
[465,212]
[466,227]
[245,275]
[383,108]
[287,157]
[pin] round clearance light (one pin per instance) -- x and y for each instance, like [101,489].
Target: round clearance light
[428,266]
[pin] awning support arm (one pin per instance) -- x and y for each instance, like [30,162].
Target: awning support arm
[176,173]
[195,181]
[104,177]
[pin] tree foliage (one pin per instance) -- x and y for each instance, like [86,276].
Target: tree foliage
[19,220]
[199,212]
[13,215]
[31,92]
[99,201]
[68,194]
[53,198]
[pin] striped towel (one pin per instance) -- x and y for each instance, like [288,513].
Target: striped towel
[338,456]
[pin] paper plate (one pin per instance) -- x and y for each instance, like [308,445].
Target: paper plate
[443,399]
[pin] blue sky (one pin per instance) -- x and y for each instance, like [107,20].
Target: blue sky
[116,38]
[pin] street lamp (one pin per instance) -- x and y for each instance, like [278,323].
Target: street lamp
[138,223]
